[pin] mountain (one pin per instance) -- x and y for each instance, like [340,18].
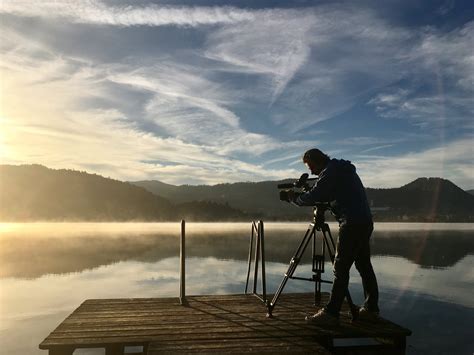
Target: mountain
[34,192]
[210,211]
[424,199]
[258,199]
[470,191]
[37,193]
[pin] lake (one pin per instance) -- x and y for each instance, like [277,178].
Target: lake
[425,273]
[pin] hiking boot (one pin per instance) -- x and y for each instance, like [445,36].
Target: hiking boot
[366,315]
[322,317]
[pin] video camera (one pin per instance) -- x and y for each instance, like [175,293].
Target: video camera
[301,183]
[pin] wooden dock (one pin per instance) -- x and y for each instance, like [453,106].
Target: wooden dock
[214,324]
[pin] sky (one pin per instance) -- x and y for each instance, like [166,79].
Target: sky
[207,92]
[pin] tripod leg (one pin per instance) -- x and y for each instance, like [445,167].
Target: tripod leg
[291,268]
[318,269]
[325,229]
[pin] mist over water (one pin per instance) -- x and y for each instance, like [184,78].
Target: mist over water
[425,272]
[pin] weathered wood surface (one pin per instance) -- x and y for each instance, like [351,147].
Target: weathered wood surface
[228,323]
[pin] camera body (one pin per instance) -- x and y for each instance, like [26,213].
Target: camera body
[290,192]
[285,195]
[287,191]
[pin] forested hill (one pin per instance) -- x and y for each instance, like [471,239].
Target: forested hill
[260,199]
[36,193]
[425,199]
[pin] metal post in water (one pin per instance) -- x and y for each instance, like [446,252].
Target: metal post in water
[252,231]
[182,273]
[257,256]
[262,256]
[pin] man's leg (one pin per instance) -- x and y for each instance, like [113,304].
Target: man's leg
[346,251]
[369,280]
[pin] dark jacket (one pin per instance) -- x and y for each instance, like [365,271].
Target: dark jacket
[340,185]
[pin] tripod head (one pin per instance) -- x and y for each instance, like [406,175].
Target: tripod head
[318,214]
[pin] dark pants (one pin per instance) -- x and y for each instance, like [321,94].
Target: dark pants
[353,246]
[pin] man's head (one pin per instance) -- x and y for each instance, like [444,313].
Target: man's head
[315,160]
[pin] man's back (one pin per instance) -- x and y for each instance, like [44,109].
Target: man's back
[340,185]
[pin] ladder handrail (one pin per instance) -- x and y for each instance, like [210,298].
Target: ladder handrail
[258,231]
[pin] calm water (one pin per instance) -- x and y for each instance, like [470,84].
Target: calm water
[425,273]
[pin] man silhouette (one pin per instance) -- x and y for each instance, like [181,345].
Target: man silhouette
[339,184]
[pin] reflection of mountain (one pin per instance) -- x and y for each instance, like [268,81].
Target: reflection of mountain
[427,249]
[32,257]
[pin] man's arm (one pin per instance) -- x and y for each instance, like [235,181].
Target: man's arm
[322,191]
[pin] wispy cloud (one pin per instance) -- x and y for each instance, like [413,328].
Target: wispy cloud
[236,98]
[255,47]
[250,44]
[114,144]
[377,148]
[118,149]
[97,12]
[441,89]
[452,161]
[364,140]
[353,52]
[187,106]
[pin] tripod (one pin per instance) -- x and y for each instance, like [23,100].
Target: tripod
[327,242]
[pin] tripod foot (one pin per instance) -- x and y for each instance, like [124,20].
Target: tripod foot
[269,310]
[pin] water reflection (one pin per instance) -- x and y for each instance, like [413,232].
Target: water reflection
[414,297]
[33,250]
[425,272]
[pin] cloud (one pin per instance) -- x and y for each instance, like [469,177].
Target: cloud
[449,54]
[63,134]
[352,53]
[97,12]
[324,58]
[255,48]
[377,148]
[453,161]
[440,92]
[361,141]
[234,102]
[318,58]
[445,8]
[189,107]
[119,150]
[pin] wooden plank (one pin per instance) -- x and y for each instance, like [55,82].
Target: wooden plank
[346,327]
[295,344]
[209,324]
[204,327]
